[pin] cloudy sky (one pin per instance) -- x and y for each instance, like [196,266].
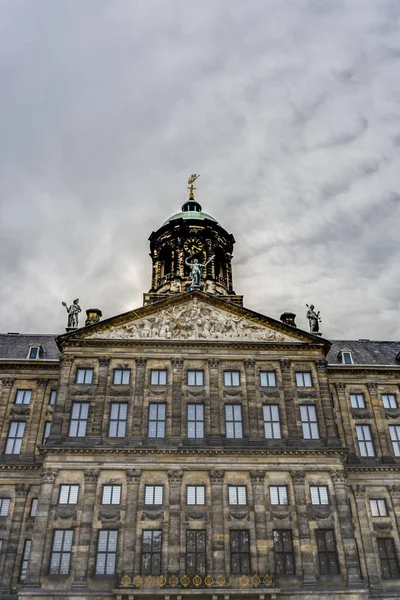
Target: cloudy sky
[289,109]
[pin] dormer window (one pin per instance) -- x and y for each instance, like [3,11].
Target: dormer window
[34,352]
[345,357]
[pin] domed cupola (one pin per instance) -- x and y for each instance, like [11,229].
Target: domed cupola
[191,251]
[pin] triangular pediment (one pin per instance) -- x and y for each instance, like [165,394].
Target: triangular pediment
[194,316]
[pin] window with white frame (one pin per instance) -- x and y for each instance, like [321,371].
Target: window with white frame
[389,401]
[237,495]
[158,377]
[233,421]
[68,494]
[364,438]
[303,379]
[118,416]
[195,378]
[84,376]
[111,494]
[195,418]
[25,560]
[122,376]
[272,424]
[357,400]
[23,397]
[309,422]
[4,506]
[346,357]
[106,552]
[15,437]
[153,494]
[231,378]
[53,397]
[394,431]
[46,431]
[79,419]
[34,507]
[34,353]
[61,551]
[195,494]
[278,494]
[378,507]
[268,379]
[319,494]
[157,416]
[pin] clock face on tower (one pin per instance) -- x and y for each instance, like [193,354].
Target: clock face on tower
[193,245]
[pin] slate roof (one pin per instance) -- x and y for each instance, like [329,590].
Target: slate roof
[366,352]
[16,345]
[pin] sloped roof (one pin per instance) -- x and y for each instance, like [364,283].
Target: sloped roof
[15,346]
[365,352]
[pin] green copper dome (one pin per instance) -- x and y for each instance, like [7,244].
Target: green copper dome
[191,210]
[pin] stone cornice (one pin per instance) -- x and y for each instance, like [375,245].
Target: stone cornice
[355,369]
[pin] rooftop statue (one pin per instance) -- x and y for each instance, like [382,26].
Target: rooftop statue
[314,319]
[196,272]
[73,312]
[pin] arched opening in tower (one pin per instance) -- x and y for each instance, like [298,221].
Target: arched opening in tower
[220,266]
[166,261]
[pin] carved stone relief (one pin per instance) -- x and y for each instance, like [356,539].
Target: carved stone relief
[238,516]
[150,516]
[196,516]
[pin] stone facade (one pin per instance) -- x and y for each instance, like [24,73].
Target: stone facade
[160,466]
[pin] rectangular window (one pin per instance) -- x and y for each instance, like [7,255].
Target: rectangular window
[34,505]
[240,552]
[195,378]
[106,552]
[25,560]
[153,494]
[278,494]
[151,552]
[272,424]
[118,416]
[284,555]
[68,494]
[122,377]
[4,506]
[388,558]
[309,422]
[111,494]
[303,379]
[364,438]
[319,494]
[84,376]
[357,400]
[196,552]
[33,353]
[327,554]
[14,438]
[195,494]
[232,378]
[156,420]
[61,552]
[23,396]
[268,379]
[195,417]
[53,397]
[79,419]
[347,358]
[389,401]
[394,431]
[46,431]
[378,508]
[158,377]
[237,495]
[233,421]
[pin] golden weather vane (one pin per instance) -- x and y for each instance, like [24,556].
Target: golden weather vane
[191,181]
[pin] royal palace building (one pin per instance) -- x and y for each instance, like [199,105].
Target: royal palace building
[195,448]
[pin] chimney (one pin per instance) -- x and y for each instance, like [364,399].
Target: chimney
[93,316]
[288,318]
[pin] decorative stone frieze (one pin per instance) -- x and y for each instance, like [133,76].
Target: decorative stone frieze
[238,516]
[21,489]
[196,516]
[339,477]
[216,476]
[7,382]
[213,363]
[140,361]
[176,362]
[372,387]
[133,475]
[340,386]
[383,527]
[48,475]
[41,383]
[359,490]
[321,366]
[285,364]
[91,475]
[152,516]
[257,476]
[175,476]
[104,361]
[249,363]
[298,477]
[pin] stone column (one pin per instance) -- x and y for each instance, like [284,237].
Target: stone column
[99,405]
[252,420]
[6,387]
[298,478]
[218,539]
[36,419]
[289,399]
[174,521]
[380,435]
[36,567]
[326,400]
[176,416]
[21,491]
[339,479]
[138,398]
[260,521]
[84,535]
[345,413]
[60,421]
[129,532]
[215,425]
[229,272]
[394,491]
[366,536]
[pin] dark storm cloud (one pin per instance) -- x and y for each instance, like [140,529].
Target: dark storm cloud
[289,110]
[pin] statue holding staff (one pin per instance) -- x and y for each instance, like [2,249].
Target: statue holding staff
[73,312]
[196,271]
[314,319]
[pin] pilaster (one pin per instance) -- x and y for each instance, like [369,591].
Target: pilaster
[215,404]
[290,409]
[252,425]
[177,368]
[366,536]
[174,524]
[128,554]
[60,424]
[99,404]
[84,535]
[21,491]
[299,478]
[6,388]
[260,520]
[327,407]
[345,414]
[138,397]
[218,539]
